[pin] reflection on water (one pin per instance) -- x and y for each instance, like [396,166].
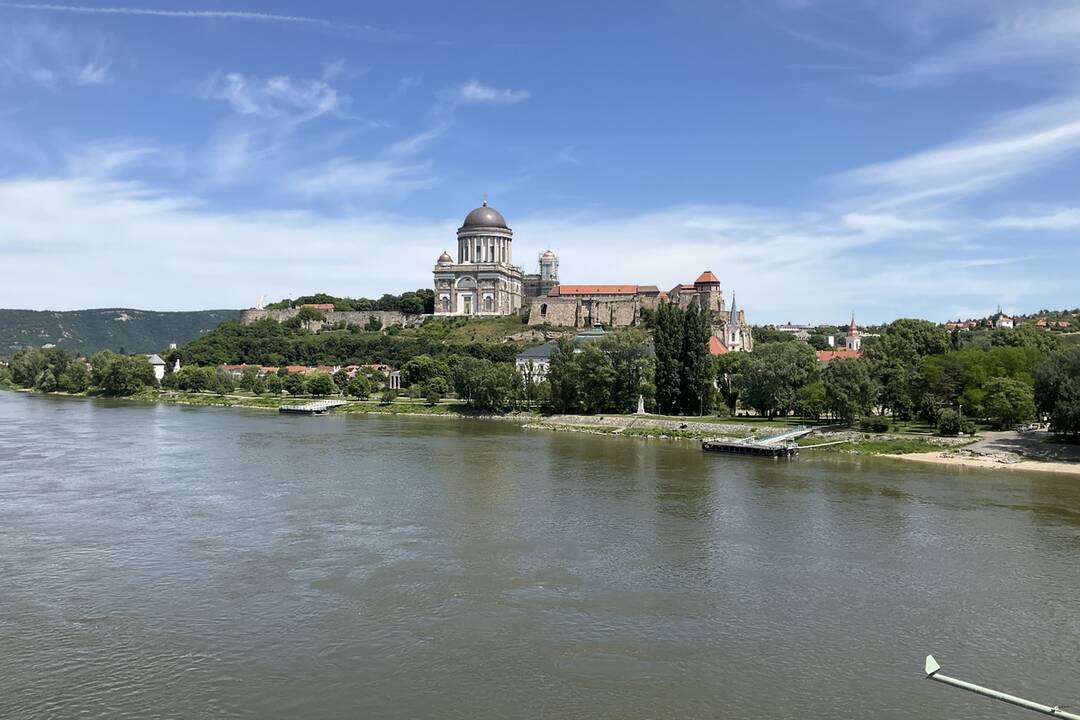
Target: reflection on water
[174,562]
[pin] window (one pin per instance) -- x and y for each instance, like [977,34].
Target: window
[543,310]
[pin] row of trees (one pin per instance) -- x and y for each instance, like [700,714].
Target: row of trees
[414,302]
[56,370]
[270,343]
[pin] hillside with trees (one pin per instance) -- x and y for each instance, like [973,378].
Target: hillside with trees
[85,332]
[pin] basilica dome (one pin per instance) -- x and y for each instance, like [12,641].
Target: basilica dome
[445,258]
[485,216]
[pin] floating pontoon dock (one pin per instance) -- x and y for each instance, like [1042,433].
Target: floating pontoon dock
[779,445]
[315,407]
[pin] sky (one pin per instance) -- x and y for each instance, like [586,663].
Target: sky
[822,157]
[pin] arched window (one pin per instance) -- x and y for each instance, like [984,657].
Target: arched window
[543,310]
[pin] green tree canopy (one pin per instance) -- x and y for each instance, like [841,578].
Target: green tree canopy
[849,388]
[773,373]
[1057,390]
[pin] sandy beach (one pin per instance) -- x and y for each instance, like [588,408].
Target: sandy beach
[992,462]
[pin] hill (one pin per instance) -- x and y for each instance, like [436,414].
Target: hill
[120,329]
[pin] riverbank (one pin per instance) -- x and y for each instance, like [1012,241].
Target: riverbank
[967,458]
[979,452]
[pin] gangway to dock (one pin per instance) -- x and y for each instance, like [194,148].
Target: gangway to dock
[315,407]
[778,445]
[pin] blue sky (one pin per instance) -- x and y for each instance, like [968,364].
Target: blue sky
[821,156]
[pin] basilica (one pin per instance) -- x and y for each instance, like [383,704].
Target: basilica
[483,281]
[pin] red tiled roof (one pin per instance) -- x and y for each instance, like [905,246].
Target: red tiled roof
[593,290]
[824,356]
[716,347]
[706,278]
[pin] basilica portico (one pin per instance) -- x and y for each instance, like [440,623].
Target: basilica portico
[482,279]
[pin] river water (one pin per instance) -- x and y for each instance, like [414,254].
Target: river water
[171,562]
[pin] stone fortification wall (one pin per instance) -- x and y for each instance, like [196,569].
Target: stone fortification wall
[338,317]
[586,312]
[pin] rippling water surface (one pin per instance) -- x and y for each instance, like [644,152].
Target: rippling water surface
[170,562]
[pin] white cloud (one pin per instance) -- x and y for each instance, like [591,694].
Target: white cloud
[1061,219]
[1014,144]
[1008,35]
[474,92]
[781,266]
[353,178]
[52,56]
[274,97]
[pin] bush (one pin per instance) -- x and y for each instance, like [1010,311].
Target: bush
[949,422]
[388,396]
[874,423]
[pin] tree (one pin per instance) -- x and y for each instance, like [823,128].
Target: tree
[435,390]
[307,314]
[696,368]
[1027,335]
[773,374]
[320,384]
[849,389]
[727,369]
[360,387]
[374,324]
[224,381]
[948,422]
[388,396]
[1009,402]
[498,389]
[121,374]
[273,384]
[896,361]
[466,376]
[668,341]
[195,379]
[630,360]
[423,368]
[564,377]
[388,302]
[248,377]
[1057,390]
[810,400]
[597,378]
[294,384]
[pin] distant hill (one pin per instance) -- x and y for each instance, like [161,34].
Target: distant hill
[88,331]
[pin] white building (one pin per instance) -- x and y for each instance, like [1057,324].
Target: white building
[483,279]
[158,364]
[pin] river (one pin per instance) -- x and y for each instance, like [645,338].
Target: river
[170,562]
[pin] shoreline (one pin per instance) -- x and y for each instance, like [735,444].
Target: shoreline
[946,452]
[988,462]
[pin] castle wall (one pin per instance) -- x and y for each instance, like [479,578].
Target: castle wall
[347,317]
[586,312]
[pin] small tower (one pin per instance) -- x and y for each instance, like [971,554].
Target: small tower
[549,271]
[734,331]
[853,341]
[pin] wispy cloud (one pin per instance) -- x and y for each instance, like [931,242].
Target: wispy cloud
[1059,219]
[474,92]
[274,97]
[50,57]
[1013,145]
[1011,35]
[353,178]
[189,14]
